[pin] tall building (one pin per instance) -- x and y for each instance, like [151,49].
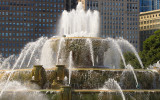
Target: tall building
[22,21]
[119,18]
[149,22]
[149,5]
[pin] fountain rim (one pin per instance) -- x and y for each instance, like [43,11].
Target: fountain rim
[83,69]
[53,38]
[87,90]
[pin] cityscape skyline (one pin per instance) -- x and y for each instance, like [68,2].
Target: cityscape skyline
[24,21]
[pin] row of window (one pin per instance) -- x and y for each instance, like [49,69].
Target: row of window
[112,3]
[150,21]
[6,55]
[120,32]
[112,13]
[114,9]
[150,16]
[28,14]
[27,19]
[27,29]
[21,34]
[31,9]
[27,24]
[22,3]
[10,45]
[150,26]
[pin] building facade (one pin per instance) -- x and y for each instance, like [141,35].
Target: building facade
[149,5]
[22,21]
[149,22]
[119,18]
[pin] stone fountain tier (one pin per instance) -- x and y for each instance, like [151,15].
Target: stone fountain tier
[94,78]
[86,51]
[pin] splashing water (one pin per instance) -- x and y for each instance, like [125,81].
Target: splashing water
[111,84]
[125,44]
[8,62]
[79,23]
[19,92]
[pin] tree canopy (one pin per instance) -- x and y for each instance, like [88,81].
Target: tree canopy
[151,49]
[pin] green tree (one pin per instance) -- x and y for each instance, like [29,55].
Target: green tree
[130,58]
[151,49]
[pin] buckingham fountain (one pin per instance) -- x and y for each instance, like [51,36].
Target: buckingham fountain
[77,65]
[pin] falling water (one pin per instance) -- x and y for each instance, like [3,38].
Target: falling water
[37,45]
[111,84]
[8,62]
[79,23]
[61,44]
[27,52]
[125,44]
[70,66]
[132,70]
[21,55]
[47,55]
[114,45]
[89,43]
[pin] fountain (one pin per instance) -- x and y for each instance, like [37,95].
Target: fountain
[76,64]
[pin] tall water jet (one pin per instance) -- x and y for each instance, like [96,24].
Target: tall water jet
[89,43]
[79,23]
[70,66]
[59,55]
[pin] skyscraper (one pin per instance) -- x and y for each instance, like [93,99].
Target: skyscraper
[149,5]
[119,18]
[22,21]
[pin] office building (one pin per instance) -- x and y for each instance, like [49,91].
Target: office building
[22,21]
[149,22]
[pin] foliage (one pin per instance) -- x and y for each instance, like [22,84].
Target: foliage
[151,49]
[130,58]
